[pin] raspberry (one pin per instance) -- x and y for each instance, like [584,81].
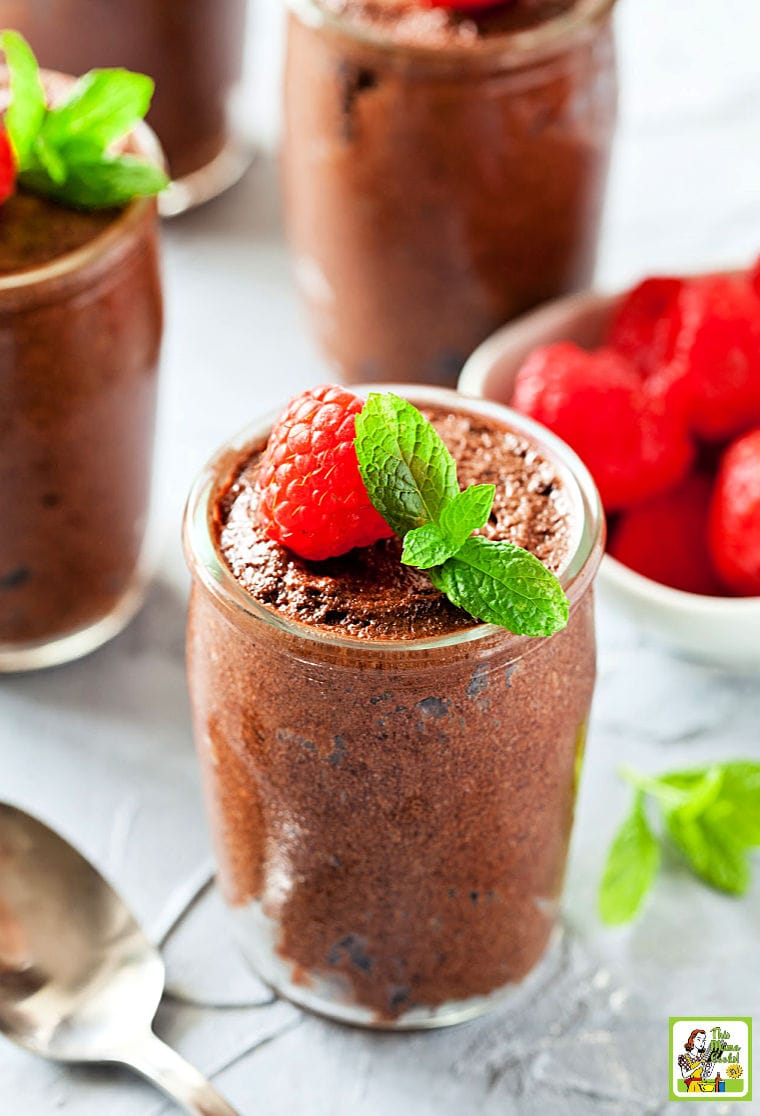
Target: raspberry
[633,446]
[646,325]
[735,516]
[313,499]
[717,356]
[7,167]
[466,5]
[754,277]
[666,539]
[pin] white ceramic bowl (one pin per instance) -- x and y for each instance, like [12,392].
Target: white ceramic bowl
[722,630]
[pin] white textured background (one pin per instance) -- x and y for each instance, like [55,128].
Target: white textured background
[102,749]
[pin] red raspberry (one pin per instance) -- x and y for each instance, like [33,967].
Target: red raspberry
[666,538]
[313,498]
[467,5]
[646,324]
[717,356]
[633,446]
[754,277]
[7,167]
[735,516]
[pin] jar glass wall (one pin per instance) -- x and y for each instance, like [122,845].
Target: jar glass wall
[391,818]
[80,339]
[432,192]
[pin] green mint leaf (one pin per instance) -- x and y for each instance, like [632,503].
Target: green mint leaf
[500,583]
[26,110]
[431,544]
[426,546]
[100,183]
[467,512]
[711,849]
[406,468]
[632,864]
[103,106]
[50,160]
[698,796]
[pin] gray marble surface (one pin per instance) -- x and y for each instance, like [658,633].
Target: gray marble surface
[102,749]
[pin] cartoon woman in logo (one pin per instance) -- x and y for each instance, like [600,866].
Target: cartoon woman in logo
[696,1065]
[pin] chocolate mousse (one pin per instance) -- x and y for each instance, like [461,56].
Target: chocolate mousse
[80,329]
[80,335]
[390,783]
[443,172]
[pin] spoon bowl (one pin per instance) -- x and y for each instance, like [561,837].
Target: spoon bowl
[79,980]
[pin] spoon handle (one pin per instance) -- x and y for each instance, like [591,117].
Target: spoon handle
[164,1067]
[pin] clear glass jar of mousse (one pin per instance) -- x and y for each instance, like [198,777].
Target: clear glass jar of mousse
[391,818]
[80,340]
[433,191]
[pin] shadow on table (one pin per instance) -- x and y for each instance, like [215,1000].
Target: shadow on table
[138,677]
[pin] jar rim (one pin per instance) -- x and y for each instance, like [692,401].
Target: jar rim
[206,563]
[516,47]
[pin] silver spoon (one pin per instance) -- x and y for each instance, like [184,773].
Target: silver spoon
[79,981]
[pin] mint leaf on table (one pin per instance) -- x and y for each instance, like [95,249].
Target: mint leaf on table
[632,864]
[411,480]
[65,152]
[26,111]
[710,815]
[712,850]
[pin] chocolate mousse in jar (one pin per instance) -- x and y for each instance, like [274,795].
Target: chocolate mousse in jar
[444,171]
[390,783]
[193,49]
[80,336]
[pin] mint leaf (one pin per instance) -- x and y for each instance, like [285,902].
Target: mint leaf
[101,183]
[500,583]
[50,161]
[711,815]
[433,543]
[712,850]
[426,546]
[467,512]
[62,152]
[406,468]
[26,110]
[103,106]
[632,864]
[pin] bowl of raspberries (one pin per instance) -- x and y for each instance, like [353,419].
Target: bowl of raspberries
[658,391]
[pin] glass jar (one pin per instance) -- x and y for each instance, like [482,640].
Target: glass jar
[193,49]
[433,192]
[80,338]
[391,817]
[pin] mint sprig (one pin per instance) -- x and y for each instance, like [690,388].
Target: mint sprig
[710,815]
[411,479]
[65,152]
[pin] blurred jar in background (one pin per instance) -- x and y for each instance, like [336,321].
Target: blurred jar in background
[443,173]
[193,49]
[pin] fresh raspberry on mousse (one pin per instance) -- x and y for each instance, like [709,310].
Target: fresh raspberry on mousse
[7,167]
[312,497]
